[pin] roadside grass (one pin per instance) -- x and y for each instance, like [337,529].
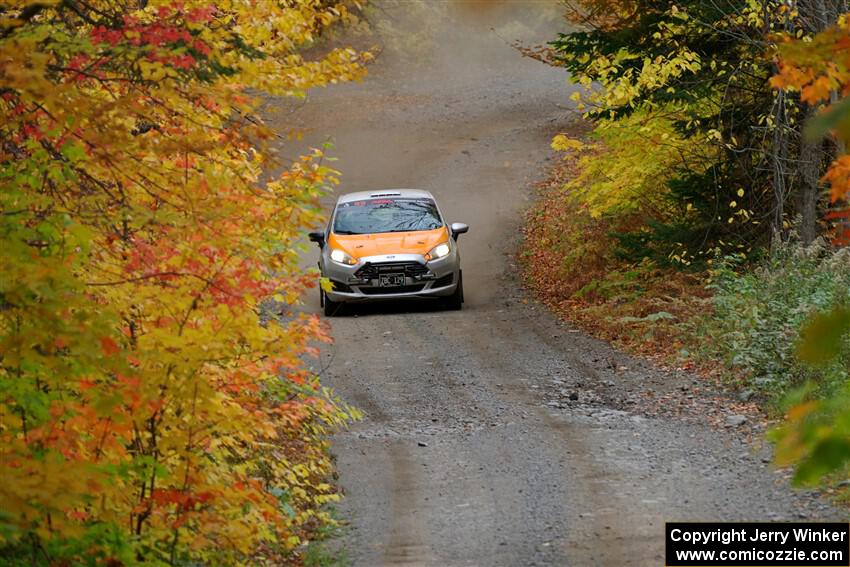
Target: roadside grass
[760,311]
[568,261]
[737,322]
[325,549]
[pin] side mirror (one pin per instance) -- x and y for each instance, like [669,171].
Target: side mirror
[318,238]
[459,228]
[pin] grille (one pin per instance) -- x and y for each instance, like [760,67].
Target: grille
[389,290]
[410,269]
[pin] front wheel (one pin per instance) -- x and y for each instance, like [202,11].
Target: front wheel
[331,307]
[455,300]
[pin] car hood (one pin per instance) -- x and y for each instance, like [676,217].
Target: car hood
[381,244]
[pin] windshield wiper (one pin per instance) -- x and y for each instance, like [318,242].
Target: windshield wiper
[415,229]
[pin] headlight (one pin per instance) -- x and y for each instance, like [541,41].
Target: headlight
[342,257]
[438,251]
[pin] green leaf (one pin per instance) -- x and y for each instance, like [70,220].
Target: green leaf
[829,455]
[837,117]
[73,151]
[820,338]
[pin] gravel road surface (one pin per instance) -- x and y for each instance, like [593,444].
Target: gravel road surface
[498,436]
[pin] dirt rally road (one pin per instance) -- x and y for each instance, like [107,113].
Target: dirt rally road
[471,451]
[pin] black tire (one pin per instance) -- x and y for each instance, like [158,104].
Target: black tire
[331,307]
[454,302]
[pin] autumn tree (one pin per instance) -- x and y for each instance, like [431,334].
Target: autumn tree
[816,436]
[154,406]
[746,172]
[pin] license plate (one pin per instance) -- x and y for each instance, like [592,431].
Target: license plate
[392,280]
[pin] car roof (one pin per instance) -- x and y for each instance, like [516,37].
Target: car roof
[379,193]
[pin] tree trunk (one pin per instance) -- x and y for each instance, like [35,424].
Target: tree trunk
[811,158]
[815,16]
[780,161]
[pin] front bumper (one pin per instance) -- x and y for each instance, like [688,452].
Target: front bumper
[361,282]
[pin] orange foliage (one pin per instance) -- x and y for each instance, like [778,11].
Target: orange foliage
[154,406]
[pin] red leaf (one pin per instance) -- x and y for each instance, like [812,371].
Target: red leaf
[109,346]
[838,214]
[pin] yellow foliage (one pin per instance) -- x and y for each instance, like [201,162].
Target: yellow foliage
[154,401]
[562,143]
[627,172]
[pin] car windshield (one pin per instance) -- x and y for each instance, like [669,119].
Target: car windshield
[386,215]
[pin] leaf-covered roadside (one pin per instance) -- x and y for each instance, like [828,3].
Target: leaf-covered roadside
[569,262]
[701,216]
[744,326]
[151,412]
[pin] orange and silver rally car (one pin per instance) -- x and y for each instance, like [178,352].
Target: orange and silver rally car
[391,244]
